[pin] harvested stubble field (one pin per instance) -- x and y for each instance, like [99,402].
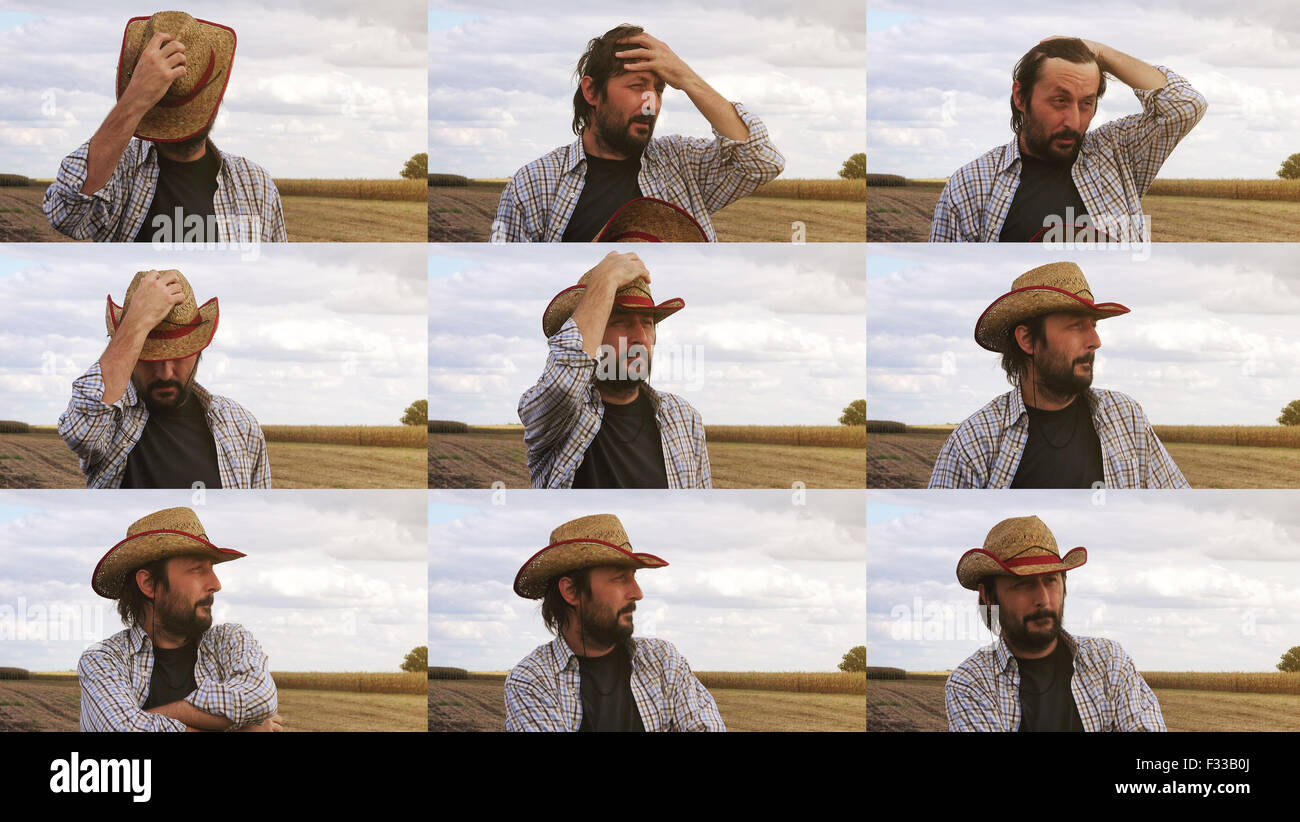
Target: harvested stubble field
[902,215]
[486,455]
[42,460]
[906,460]
[918,705]
[55,705]
[463,214]
[307,219]
[479,705]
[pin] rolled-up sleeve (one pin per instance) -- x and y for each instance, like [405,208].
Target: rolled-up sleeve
[108,701]
[1168,114]
[89,425]
[550,408]
[83,216]
[725,169]
[236,680]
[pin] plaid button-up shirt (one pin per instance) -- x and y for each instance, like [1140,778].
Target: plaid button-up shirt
[698,175]
[103,435]
[1116,165]
[985,450]
[231,673]
[983,693]
[544,691]
[246,202]
[562,413]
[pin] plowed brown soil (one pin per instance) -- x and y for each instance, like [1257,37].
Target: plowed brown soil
[462,214]
[467,705]
[39,705]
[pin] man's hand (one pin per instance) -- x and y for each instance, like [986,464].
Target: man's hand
[1130,71]
[654,55]
[162,60]
[609,275]
[274,725]
[153,300]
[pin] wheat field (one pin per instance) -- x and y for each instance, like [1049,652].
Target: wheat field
[394,436]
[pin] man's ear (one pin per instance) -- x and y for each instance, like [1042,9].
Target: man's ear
[1016,99]
[1024,339]
[589,92]
[145,581]
[569,591]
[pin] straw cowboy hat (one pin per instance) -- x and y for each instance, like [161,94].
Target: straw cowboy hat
[1043,290]
[634,295]
[186,330]
[167,533]
[191,103]
[577,544]
[647,220]
[1020,546]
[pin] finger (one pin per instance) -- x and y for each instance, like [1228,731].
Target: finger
[172,47]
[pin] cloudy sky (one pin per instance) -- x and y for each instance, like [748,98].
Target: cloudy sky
[755,581]
[333,580]
[768,336]
[1213,337]
[501,76]
[308,334]
[318,89]
[939,77]
[1185,581]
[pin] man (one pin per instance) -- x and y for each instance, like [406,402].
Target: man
[573,191]
[138,419]
[595,676]
[172,669]
[1056,179]
[150,173]
[1037,677]
[1052,430]
[592,420]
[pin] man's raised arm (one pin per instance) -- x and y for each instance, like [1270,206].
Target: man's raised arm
[237,683]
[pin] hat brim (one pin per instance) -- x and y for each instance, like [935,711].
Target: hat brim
[978,563]
[1021,304]
[141,549]
[650,220]
[173,119]
[563,305]
[176,343]
[572,555]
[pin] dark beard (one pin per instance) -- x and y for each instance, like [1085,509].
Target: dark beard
[1020,639]
[183,622]
[185,147]
[1039,144]
[618,136]
[1063,381]
[605,632]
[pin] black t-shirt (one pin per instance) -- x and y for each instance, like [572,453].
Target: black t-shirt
[175,450]
[189,187]
[609,185]
[1046,703]
[173,674]
[1045,190]
[607,702]
[627,451]
[1063,450]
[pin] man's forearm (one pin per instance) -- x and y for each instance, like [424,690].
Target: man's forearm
[720,113]
[194,718]
[592,314]
[118,360]
[106,147]
[1130,71]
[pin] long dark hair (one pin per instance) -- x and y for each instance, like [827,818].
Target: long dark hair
[555,611]
[599,63]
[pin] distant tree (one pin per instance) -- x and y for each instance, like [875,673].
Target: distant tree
[417,661]
[1290,661]
[855,660]
[1290,414]
[855,168]
[855,413]
[1290,169]
[416,167]
[417,413]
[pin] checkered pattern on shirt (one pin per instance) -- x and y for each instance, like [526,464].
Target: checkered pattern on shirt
[103,435]
[544,691]
[983,693]
[985,450]
[231,673]
[1116,164]
[562,413]
[701,176]
[246,201]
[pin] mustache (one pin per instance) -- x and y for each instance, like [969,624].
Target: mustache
[628,609]
[1067,133]
[156,384]
[1088,359]
[1042,613]
[205,601]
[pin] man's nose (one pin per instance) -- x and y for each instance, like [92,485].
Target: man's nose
[214,584]
[635,593]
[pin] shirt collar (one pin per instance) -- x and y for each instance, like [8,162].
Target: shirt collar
[151,156]
[576,155]
[1004,657]
[1017,408]
[1011,154]
[564,655]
